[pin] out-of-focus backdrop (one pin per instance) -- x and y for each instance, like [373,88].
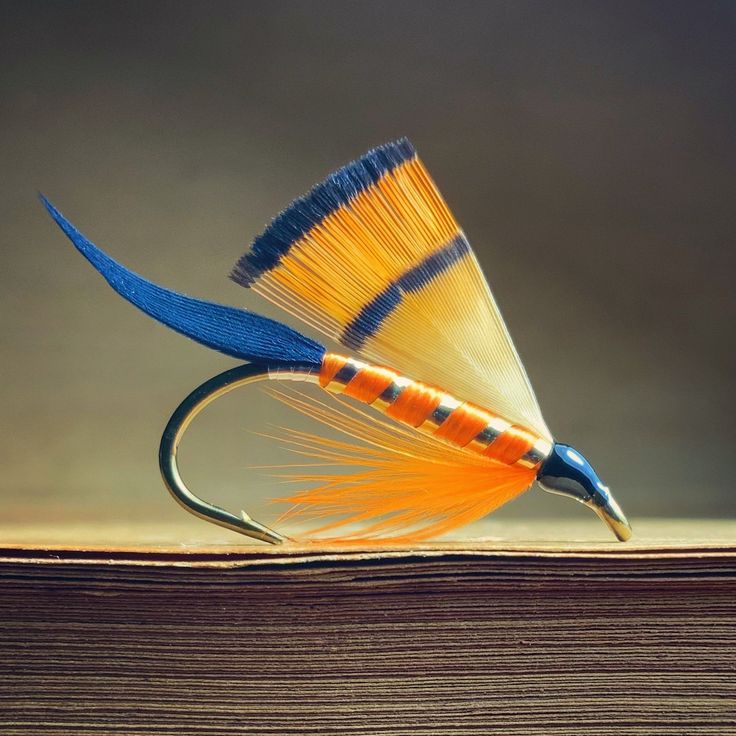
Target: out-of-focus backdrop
[586,147]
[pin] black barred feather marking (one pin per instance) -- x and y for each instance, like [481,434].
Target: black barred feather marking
[309,210]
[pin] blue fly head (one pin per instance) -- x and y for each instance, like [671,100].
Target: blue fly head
[568,473]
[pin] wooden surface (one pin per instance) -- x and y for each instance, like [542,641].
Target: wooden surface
[105,630]
[183,540]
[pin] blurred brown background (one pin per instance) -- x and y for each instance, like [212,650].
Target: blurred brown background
[587,148]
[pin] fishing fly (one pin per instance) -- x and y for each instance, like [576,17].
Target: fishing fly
[373,258]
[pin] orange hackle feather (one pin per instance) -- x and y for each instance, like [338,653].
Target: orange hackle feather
[406,487]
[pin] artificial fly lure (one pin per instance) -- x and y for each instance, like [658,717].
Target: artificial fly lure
[373,258]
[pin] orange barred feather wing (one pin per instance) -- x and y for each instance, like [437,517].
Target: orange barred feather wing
[374,258]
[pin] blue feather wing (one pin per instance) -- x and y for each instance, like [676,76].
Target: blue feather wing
[235,332]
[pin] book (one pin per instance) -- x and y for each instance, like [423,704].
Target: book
[158,629]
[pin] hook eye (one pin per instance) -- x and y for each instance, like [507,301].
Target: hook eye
[180,420]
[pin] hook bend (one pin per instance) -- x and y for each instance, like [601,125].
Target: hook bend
[182,417]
